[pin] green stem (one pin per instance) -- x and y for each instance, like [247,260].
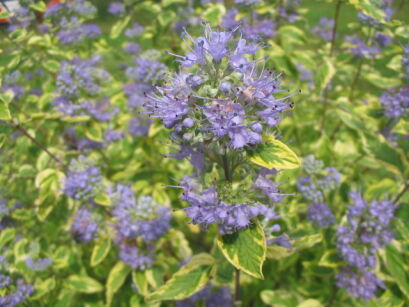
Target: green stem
[356,78]
[237,301]
[226,167]
[359,69]
[404,190]
[25,132]
[331,53]
[334,29]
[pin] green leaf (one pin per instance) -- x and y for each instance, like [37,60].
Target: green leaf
[245,249]
[278,298]
[188,280]
[43,288]
[116,279]
[102,199]
[119,27]
[100,251]
[65,298]
[94,133]
[310,303]
[369,8]
[214,13]
[397,267]
[273,154]
[6,236]
[277,252]
[324,74]
[83,284]
[39,6]
[382,82]
[4,110]
[384,152]
[52,66]
[141,282]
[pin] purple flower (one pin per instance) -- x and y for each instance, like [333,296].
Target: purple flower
[4,281]
[367,229]
[133,31]
[83,228]
[206,208]
[139,126]
[396,105]
[358,284]
[22,293]
[147,71]
[324,28]
[39,264]
[281,240]
[362,49]
[210,296]
[112,136]
[116,8]
[82,179]
[138,218]
[247,2]
[320,214]
[229,21]
[132,47]
[269,188]
[132,256]
[262,29]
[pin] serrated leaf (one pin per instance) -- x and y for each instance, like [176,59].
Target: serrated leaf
[83,284]
[190,279]
[119,27]
[245,249]
[116,279]
[100,251]
[397,267]
[273,154]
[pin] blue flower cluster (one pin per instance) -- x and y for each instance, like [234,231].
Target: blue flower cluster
[367,229]
[38,265]
[84,228]
[207,208]
[229,101]
[78,84]
[396,105]
[210,296]
[22,292]
[68,19]
[259,28]
[142,220]
[82,180]
[315,186]
[324,28]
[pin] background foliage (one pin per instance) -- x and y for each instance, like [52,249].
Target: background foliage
[341,115]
